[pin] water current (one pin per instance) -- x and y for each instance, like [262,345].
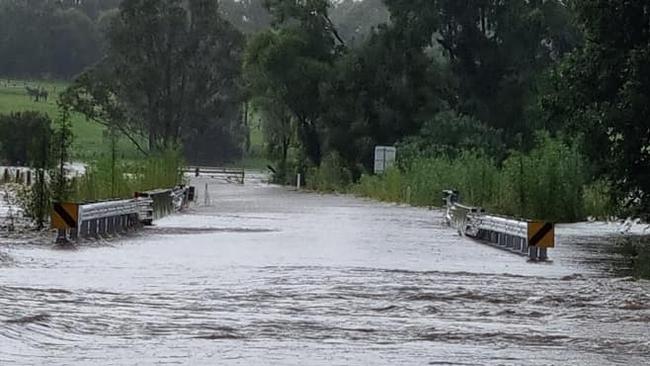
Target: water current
[264,275]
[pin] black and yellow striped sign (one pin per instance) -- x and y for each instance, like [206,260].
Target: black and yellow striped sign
[541,234]
[65,215]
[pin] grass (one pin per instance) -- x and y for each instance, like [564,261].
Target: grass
[89,142]
[548,183]
[104,180]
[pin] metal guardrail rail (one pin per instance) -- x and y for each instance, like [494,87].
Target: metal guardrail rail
[94,220]
[523,237]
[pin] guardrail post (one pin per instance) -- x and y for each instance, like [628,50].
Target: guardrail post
[5,176]
[532,253]
[29,178]
[111,225]
[543,254]
[85,229]
[93,228]
[74,234]
[102,226]
[61,237]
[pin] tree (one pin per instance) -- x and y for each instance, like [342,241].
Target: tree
[278,130]
[380,93]
[496,51]
[172,69]
[42,38]
[24,139]
[602,90]
[290,63]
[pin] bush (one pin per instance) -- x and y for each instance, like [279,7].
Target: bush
[547,184]
[332,175]
[25,139]
[105,179]
[598,200]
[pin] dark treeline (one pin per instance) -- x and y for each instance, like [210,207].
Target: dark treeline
[50,38]
[472,67]
[59,38]
[169,80]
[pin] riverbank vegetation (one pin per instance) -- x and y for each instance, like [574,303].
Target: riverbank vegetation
[109,179]
[550,182]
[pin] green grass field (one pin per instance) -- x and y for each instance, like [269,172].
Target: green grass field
[89,141]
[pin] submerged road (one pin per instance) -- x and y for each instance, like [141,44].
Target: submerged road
[264,275]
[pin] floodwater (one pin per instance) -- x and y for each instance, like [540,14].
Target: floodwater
[263,275]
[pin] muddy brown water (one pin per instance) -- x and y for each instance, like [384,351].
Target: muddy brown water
[264,275]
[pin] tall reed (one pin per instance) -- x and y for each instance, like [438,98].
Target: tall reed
[107,179]
[548,183]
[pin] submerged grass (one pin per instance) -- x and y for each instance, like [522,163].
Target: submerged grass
[638,251]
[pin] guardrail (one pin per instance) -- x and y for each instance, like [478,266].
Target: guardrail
[23,176]
[94,220]
[237,175]
[524,237]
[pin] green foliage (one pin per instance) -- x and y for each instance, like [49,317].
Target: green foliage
[548,183]
[44,38]
[331,176]
[179,87]
[88,135]
[385,188]
[25,139]
[63,138]
[378,94]
[495,50]
[105,180]
[599,203]
[287,66]
[601,91]
[450,133]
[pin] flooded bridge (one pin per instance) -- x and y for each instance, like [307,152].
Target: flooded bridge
[265,275]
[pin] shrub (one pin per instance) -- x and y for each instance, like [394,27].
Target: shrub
[547,183]
[332,175]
